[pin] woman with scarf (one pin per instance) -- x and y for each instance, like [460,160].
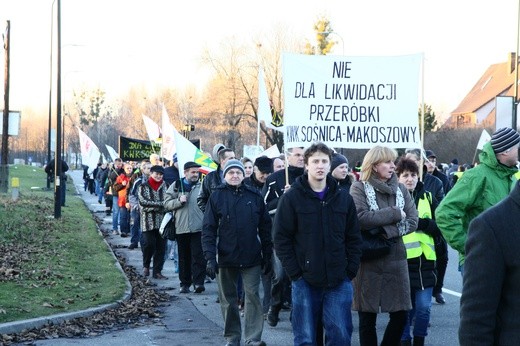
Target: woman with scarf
[151,199]
[382,284]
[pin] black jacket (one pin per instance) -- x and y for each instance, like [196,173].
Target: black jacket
[254,183]
[275,185]
[209,184]
[237,217]
[319,240]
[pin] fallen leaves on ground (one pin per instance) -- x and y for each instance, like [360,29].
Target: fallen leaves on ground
[141,309]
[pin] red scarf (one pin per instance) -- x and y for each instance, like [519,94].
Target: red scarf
[154,184]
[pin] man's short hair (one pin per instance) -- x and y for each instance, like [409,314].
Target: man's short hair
[222,153]
[314,148]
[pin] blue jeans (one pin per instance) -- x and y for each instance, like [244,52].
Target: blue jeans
[115,213]
[135,229]
[124,220]
[421,306]
[333,304]
[100,191]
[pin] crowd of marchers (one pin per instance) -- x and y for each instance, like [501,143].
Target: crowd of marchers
[324,238]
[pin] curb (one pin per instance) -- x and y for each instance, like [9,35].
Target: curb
[19,326]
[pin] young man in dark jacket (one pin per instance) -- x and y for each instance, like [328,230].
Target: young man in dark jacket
[318,241]
[237,228]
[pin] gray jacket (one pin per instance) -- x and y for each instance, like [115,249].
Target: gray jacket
[188,216]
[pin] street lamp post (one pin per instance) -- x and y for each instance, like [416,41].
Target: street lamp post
[57,157]
[50,98]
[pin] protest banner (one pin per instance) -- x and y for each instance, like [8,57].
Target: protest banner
[351,102]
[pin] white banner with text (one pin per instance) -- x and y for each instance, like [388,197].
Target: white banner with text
[351,102]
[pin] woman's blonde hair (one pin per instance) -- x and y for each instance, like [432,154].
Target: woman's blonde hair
[375,156]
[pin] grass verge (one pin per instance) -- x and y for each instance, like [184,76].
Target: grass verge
[47,265]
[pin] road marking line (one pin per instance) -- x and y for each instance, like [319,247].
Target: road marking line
[453,293]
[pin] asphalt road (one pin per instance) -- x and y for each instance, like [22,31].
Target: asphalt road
[196,319]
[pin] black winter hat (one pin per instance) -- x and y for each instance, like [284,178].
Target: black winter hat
[264,164]
[504,139]
[337,159]
[158,169]
[191,164]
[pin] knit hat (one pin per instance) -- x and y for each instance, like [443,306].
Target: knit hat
[234,163]
[264,164]
[214,154]
[337,159]
[504,139]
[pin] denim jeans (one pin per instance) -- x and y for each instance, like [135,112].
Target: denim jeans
[333,304]
[421,306]
[100,191]
[115,214]
[135,229]
[124,222]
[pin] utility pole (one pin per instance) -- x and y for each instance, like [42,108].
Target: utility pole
[57,157]
[4,166]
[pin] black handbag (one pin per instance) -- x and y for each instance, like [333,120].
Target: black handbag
[374,245]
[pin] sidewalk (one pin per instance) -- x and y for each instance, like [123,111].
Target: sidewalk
[191,319]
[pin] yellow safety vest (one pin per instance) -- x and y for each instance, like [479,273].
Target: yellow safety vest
[417,242]
[514,178]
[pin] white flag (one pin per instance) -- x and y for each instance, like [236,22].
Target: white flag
[271,152]
[266,112]
[90,153]
[153,130]
[484,138]
[187,151]
[111,151]
[168,140]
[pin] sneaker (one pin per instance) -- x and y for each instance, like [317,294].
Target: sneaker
[124,235]
[199,289]
[115,232]
[132,246]
[255,343]
[184,289]
[146,272]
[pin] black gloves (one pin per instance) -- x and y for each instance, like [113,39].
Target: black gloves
[267,265]
[429,227]
[212,268]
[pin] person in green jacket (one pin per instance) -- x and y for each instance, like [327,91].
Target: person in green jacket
[479,188]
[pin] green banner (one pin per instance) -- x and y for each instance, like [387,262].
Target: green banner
[131,149]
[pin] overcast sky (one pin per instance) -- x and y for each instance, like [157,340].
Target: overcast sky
[115,44]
